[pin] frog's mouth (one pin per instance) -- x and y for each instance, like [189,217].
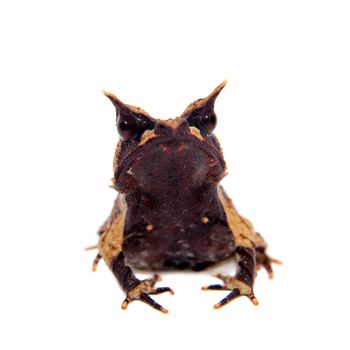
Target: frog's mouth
[186,161]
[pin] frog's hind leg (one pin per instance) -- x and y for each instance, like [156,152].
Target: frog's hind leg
[262,259]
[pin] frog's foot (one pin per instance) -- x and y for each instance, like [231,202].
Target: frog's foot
[142,292]
[238,288]
[97,258]
[96,261]
[263,260]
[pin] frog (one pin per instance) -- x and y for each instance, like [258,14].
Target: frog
[171,212]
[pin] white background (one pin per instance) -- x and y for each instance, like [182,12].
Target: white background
[284,127]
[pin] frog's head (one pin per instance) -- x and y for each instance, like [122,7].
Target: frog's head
[155,154]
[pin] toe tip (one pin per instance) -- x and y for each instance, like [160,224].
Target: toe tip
[125,305]
[255,301]
[217,306]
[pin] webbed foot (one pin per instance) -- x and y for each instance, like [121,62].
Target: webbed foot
[236,287]
[143,290]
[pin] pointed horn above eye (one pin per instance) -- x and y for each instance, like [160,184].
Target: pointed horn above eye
[212,97]
[124,108]
[208,101]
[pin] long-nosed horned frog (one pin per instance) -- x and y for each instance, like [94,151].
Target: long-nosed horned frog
[171,212]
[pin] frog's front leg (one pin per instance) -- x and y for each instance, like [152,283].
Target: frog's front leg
[136,289]
[243,236]
[110,249]
[242,283]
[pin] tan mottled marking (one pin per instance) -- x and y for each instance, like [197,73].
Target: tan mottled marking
[233,283]
[146,287]
[111,240]
[204,220]
[143,287]
[196,133]
[259,241]
[242,230]
[149,227]
[146,136]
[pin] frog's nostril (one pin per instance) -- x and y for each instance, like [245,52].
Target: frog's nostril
[172,127]
[163,129]
[182,128]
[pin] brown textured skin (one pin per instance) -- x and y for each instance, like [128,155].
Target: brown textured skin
[183,191]
[173,214]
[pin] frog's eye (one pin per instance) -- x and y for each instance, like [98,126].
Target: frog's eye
[208,121]
[131,121]
[201,113]
[127,126]
[203,118]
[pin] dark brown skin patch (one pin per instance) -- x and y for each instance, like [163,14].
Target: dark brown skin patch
[179,239]
[171,213]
